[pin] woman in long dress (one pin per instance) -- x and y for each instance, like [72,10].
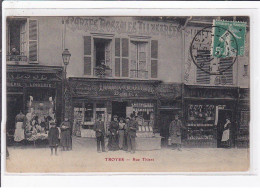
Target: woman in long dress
[20,121]
[66,135]
[175,132]
[226,142]
[113,136]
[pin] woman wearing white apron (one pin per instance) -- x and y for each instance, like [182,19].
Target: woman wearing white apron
[226,134]
[19,127]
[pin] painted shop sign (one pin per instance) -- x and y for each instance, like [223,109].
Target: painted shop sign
[125,25]
[32,76]
[211,93]
[113,89]
[171,91]
[34,84]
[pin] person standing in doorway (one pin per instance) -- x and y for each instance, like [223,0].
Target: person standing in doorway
[113,135]
[99,127]
[121,133]
[132,127]
[20,122]
[65,134]
[53,137]
[226,142]
[175,132]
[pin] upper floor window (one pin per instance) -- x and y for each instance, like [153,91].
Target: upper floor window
[120,57]
[22,40]
[102,57]
[139,62]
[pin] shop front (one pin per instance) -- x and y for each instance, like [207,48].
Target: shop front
[206,110]
[108,97]
[35,92]
[242,136]
[170,104]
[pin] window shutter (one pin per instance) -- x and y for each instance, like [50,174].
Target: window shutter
[117,57]
[203,77]
[87,55]
[125,57]
[224,63]
[125,67]
[154,58]
[33,41]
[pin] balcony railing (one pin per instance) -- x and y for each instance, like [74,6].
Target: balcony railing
[16,58]
[102,72]
[139,74]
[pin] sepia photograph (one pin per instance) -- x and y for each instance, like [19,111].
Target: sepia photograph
[127,94]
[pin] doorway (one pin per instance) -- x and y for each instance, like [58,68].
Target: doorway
[222,116]
[119,109]
[166,118]
[14,106]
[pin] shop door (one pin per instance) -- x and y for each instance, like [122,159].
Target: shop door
[222,116]
[14,106]
[119,109]
[165,119]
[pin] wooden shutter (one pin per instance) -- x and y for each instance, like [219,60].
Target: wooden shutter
[202,76]
[33,41]
[224,63]
[117,57]
[125,57]
[154,58]
[87,55]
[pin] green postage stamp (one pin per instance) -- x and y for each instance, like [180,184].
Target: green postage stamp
[228,39]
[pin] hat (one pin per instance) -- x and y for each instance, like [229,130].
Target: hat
[115,116]
[127,118]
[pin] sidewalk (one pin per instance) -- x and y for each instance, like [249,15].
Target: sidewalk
[84,158]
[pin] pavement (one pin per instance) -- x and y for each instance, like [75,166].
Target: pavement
[84,158]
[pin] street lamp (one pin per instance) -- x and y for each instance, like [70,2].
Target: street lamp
[66,58]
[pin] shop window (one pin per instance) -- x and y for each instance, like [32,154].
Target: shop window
[22,36]
[138,64]
[103,57]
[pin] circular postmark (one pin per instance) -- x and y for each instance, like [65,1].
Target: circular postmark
[225,51]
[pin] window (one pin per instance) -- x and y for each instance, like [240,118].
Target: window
[102,57]
[245,70]
[22,36]
[138,64]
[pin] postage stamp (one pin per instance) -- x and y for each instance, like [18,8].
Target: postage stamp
[229,38]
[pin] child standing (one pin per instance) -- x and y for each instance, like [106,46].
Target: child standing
[53,137]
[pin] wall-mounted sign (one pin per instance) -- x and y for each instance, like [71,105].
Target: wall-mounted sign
[121,25]
[116,89]
[33,84]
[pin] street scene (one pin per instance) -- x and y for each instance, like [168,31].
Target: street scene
[127,94]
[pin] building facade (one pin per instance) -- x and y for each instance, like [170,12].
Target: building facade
[125,65]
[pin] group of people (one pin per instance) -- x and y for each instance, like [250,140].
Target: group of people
[65,135]
[121,134]
[25,128]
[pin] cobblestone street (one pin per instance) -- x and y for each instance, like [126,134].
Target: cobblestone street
[84,158]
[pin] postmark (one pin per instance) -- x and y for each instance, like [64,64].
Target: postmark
[202,52]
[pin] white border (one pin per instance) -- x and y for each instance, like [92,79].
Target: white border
[141,9]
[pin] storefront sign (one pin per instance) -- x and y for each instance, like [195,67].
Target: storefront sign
[171,91]
[114,89]
[109,25]
[211,93]
[34,84]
